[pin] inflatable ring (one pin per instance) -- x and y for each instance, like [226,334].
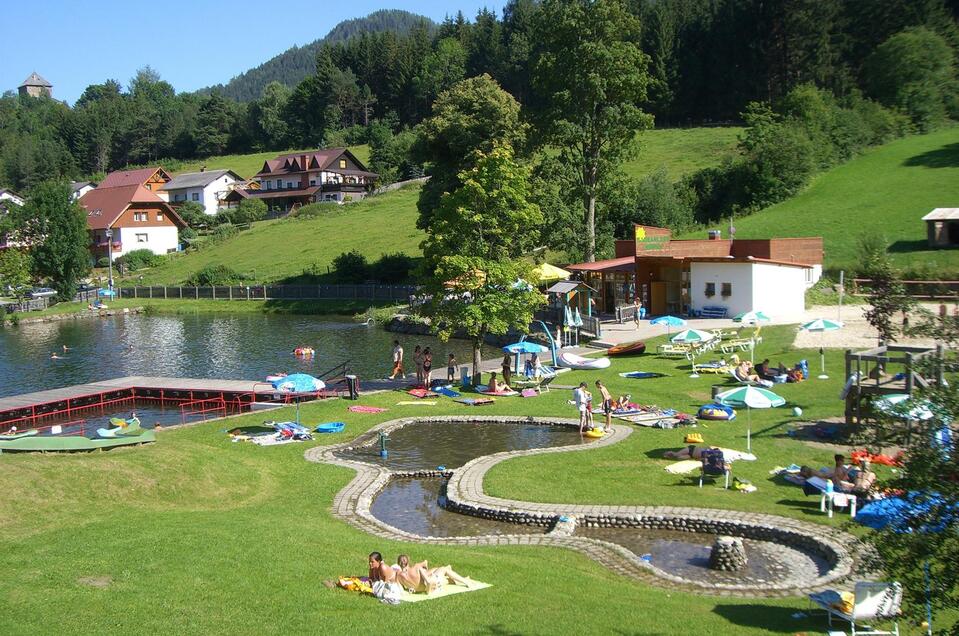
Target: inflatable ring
[303,351]
[594,432]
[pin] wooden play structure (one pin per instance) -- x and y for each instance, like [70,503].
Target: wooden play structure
[885,370]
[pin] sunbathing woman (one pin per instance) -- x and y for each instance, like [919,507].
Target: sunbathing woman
[419,578]
[690,452]
[495,386]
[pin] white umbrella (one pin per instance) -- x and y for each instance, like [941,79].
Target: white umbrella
[693,336]
[752,398]
[751,317]
[822,325]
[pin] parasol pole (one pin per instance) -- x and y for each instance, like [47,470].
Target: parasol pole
[822,354]
[749,427]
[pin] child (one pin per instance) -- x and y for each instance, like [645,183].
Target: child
[451,369]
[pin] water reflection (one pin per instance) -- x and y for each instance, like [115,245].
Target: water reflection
[246,346]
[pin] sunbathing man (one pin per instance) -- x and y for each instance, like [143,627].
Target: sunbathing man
[745,373]
[845,480]
[419,578]
[690,452]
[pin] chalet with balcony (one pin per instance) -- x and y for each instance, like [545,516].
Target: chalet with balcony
[293,180]
[133,216]
[152,179]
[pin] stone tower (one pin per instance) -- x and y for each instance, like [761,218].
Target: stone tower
[36,86]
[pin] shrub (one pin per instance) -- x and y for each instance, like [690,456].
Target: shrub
[223,232]
[250,210]
[193,213]
[187,235]
[223,217]
[103,261]
[392,268]
[138,259]
[214,275]
[350,267]
[313,210]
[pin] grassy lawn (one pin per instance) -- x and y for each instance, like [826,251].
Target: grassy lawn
[282,248]
[248,165]
[197,535]
[682,150]
[888,189]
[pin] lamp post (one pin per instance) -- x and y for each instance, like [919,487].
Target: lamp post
[109,234]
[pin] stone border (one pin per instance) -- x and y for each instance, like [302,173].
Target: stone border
[465,495]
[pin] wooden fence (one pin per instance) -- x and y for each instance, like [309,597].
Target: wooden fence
[273,292]
[933,289]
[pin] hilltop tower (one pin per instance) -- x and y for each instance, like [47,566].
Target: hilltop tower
[36,86]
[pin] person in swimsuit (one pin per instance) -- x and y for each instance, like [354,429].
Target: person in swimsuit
[427,367]
[494,386]
[379,571]
[451,369]
[507,366]
[418,361]
[607,404]
[419,577]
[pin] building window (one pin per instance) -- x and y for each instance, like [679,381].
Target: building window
[196,196]
[808,272]
[141,238]
[727,290]
[312,182]
[342,164]
[710,290]
[160,216]
[289,184]
[279,184]
[140,216]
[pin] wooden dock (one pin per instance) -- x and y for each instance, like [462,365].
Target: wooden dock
[137,386]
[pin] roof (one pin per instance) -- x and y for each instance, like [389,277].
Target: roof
[79,185]
[130,177]
[197,179]
[315,160]
[275,194]
[36,80]
[747,259]
[105,205]
[624,264]
[942,214]
[566,286]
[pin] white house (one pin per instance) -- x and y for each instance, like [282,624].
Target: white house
[207,187]
[79,188]
[774,288]
[9,195]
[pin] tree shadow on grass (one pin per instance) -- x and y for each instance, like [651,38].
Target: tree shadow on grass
[768,617]
[945,157]
[903,247]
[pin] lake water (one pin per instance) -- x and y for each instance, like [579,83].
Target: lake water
[240,347]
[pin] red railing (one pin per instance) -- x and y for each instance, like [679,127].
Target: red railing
[48,428]
[202,407]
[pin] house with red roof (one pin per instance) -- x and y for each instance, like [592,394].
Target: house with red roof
[710,276]
[292,180]
[136,217]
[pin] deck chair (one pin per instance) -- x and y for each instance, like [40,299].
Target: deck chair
[673,350]
[874,601]
[713,465]
[743,344]
[739,380]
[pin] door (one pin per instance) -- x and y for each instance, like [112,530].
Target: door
[609,297]
[657,298]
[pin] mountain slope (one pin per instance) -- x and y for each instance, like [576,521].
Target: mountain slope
[294,64]
[887,190]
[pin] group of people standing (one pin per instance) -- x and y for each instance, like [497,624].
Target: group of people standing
[423,360]
[583,401]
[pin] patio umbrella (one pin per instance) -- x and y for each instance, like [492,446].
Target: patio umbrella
[693,336]
[669,321]
[752,398]
[904,407]
[297,383]
[524,346]
[106,292]
[547,273]
[751,317]
[822,325]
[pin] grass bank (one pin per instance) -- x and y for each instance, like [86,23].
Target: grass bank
[888,190]
[682,151]
[197,535]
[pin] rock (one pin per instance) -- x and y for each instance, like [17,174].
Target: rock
[728,554]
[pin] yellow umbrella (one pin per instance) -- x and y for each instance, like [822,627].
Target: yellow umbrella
[547,273]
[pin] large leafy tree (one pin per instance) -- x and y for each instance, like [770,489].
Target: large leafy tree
[591,78]
[14,272]
[474,252]
[56,228]
[467,121]
[213,126]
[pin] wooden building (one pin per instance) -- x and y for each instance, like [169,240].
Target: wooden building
[942,227]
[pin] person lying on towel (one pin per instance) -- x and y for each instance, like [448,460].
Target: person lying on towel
[845,479]
[419,577]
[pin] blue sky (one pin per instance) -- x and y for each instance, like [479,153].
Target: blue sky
[191,44]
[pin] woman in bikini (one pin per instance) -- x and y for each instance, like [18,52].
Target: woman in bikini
[427,367]
[420,578]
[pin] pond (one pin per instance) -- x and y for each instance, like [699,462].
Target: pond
[237,347]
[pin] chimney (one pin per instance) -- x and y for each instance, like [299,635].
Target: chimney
[715,235]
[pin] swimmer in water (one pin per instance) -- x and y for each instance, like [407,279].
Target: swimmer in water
[65,348]
[54,356]
[129,347]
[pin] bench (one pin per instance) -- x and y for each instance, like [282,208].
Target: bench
[712,311]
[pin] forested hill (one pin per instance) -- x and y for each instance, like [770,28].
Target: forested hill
[296,63]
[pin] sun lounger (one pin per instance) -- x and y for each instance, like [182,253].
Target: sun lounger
[743,344]
[830,499]
[714,464]
[673,350]
[873,601]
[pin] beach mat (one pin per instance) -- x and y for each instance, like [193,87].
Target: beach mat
[446,590]
[475,401]
[683,467]
[642,375]
[447,391]
[417,403]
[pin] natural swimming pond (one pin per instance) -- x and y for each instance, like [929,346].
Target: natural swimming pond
[416,505]
[239,347]
[428,445]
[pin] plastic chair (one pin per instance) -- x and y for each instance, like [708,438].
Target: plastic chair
[874,601]
[714,464]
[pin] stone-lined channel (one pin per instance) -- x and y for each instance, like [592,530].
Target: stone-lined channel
[789,556]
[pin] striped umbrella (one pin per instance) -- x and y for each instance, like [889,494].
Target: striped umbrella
[752,398]
[751,317]
[693,336]
[822,325]
[669,321]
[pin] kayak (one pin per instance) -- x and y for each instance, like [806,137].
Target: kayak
[628,349]
[573,361]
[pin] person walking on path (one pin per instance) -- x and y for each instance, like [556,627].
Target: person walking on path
[418,361]
[507,369]
[607,404]
[637,306]
[397,361]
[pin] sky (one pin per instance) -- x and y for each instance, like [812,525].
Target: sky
[192,44]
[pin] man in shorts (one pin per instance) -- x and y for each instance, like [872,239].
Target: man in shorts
[397,360]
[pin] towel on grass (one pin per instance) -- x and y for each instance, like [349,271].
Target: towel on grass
[475,401]
[447,391]
[684,466]
[417,402]
[446,590]
[359,408]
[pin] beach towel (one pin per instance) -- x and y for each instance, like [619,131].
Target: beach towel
[447,391]
[421,393]
[359,408]
[446,590]
[641,375]
[475,401]
[529,393]
[683,467]
[272,440]
[417,403]
[485,390]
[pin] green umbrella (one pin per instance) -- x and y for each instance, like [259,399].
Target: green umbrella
[752,398]
[693,336]
[751,317]
[822,325]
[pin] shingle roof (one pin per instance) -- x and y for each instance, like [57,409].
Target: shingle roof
[105,205]
[316,160]
[36,80]
[129,177]
[197,179]
[79,185]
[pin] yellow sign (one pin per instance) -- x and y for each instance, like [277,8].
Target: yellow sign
[640,233]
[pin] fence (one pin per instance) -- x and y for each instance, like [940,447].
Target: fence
[273,292]
[914,288]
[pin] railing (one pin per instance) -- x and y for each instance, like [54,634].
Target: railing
[273,292]
[934,289]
